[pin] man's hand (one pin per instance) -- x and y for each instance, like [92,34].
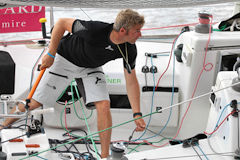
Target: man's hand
[47,61]
[140,124]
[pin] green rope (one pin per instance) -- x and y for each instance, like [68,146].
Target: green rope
[221,29]
[94,145]
[89,135]
[61,120]
[73,99]
[134,149]
[61,115]
[62,94]
[75,111]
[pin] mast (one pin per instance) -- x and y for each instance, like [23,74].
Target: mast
[51,17]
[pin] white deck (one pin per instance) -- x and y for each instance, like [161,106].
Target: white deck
[195,122]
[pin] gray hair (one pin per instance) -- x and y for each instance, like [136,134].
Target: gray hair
[128,18]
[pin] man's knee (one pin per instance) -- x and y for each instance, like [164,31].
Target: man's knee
[33,104]
[103,106]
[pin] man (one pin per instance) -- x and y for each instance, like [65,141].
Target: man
[81,55]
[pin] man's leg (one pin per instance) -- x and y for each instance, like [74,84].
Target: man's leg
[32,105]
[104,120]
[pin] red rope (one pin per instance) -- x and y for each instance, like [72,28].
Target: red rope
[195,87]
[220,123]
[174,26]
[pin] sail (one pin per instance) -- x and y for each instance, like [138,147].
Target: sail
[114,3]
[5,5]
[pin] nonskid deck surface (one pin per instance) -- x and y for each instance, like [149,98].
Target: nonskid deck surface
[134,151]
[119,134]
[200,151]
[122,133]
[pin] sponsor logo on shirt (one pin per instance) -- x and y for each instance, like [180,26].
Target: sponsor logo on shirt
[113,80]
[99,80]
[109,48]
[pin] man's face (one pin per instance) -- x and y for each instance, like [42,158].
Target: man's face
[133,34]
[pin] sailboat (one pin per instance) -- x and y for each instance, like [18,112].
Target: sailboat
[190,96]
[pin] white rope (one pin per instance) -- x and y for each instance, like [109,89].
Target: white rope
[203,95]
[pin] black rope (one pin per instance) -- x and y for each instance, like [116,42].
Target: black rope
[238,130]
[77,154]
[13,138]
[196,152]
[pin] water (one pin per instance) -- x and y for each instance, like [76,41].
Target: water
[155,18]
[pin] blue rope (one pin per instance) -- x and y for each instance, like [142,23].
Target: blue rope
[41,157]
[202,151]
[34,67]
[173,82]
[221,116]
[150,117]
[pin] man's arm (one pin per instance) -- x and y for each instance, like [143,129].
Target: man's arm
[62,25]
[133,91]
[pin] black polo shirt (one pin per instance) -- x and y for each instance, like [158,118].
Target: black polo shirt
[89,45]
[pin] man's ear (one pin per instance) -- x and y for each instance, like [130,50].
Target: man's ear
[122,30]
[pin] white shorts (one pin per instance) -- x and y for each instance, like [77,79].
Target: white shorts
[91,83]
